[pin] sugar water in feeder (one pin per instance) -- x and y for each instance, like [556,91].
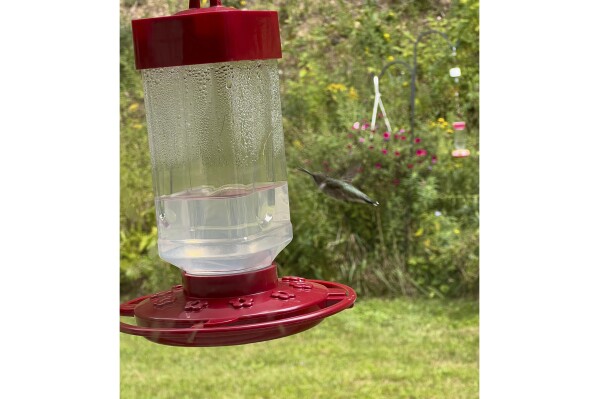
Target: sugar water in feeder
[218,162]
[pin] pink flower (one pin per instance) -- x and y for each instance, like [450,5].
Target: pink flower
[377,165]
[410,166]
[361,139]
[365,126]
[420,152]
[384,151]
[402,131]
[434,159]
[396,136]
[397,153]
[356,126]
[417,140]
[386,136]
[403,137]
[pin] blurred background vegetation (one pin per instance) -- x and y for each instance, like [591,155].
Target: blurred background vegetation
[331,49]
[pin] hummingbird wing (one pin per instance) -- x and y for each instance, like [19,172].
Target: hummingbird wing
[351,172]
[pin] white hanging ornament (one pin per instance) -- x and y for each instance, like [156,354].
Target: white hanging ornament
[455,72]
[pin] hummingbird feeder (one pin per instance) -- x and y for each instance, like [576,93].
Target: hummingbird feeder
[460,150]
[459,138]
[211,87]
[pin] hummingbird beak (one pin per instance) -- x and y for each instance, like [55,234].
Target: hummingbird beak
[304,170]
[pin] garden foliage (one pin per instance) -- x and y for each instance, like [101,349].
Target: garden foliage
[423,238]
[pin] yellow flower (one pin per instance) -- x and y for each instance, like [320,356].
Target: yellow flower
[419,232]
[390,58]
[353,93]
[456,231]
[449,131]
[138,126]
[445,124]
[427,243]
[336,87]
[242,3]
[440,120]
[298,144]
[432,124]
[133,107]
[387,36]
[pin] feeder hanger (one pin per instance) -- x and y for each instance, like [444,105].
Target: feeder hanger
[378,102]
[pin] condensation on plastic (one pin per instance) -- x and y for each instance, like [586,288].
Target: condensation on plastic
[213,125]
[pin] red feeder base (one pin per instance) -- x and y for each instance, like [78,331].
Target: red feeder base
[461,153]
[235,309]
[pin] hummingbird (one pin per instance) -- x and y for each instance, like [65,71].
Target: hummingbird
[338,189]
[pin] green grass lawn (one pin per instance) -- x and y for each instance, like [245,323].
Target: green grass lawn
[378,349]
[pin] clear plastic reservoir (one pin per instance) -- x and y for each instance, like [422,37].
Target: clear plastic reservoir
[218,161]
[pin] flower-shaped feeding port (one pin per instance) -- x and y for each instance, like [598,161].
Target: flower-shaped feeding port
[282,295]
[293,279]
[164,298]
[243,302]
[302,285]
[297,282]
[195,305]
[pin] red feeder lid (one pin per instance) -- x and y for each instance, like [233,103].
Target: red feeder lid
[206,35]
[235,309]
